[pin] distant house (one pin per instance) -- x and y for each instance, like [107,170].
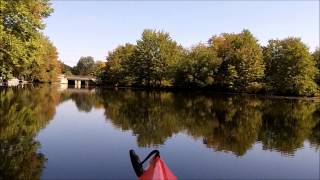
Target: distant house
[10,82]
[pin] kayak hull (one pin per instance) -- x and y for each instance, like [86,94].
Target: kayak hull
[157,170]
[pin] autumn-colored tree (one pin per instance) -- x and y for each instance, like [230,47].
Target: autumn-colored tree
[290,68]
[46,67]
[98,68]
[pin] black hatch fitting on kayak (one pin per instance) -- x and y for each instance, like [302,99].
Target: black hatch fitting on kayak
[137,164]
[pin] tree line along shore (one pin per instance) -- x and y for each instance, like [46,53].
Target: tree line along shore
[232,62]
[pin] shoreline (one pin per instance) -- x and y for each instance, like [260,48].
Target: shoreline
[206,90]
[180,90]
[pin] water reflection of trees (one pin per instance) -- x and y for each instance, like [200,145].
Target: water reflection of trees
[314,137]
[224,123]
[148,115]
[23,112]
[238,120]
[84,99]
[287,123]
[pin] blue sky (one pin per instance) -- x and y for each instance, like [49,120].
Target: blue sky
[84,28]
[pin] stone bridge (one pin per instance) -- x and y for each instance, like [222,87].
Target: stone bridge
[78,81]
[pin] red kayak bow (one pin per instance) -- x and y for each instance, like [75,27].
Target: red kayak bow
[157,169]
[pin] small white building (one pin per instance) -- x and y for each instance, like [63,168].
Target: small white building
[10,82]
[77,80]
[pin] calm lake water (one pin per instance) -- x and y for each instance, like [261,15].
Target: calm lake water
[52,133]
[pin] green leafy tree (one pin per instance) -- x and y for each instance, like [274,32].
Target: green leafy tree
[154,58]
[21,21]
[98,68]
[198,68]
[117,68]
[290,68]
[242,67]
[65,69]
[316,57]
[85,66]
